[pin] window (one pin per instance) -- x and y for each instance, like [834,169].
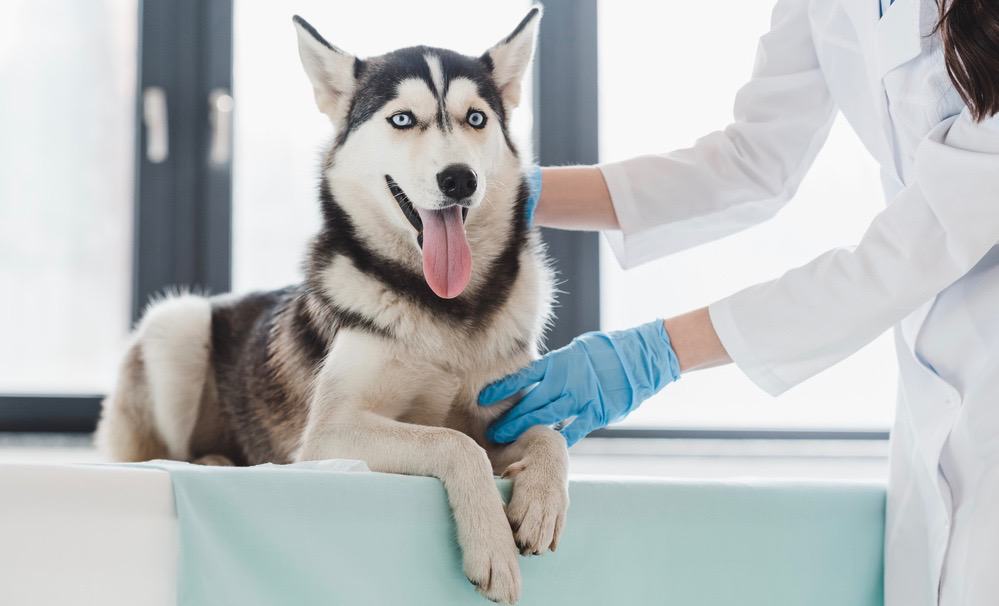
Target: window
[279,133]
[66,166]
[91,224]
[689,64]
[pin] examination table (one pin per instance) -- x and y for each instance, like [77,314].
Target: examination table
[109,535]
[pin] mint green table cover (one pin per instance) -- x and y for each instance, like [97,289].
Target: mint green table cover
[284,536]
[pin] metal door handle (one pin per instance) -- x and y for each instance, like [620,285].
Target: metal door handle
[154,117]
[220,106]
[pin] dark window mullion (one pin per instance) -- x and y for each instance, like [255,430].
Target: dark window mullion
[565,122]
[183,203]
[216,259]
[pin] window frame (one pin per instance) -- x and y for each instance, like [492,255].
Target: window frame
[183,206]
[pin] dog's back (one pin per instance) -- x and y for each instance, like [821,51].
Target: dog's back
[220,380]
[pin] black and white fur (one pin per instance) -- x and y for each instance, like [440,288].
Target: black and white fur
[362,360]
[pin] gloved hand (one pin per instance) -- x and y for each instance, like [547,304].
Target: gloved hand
[534,185]
[598,378]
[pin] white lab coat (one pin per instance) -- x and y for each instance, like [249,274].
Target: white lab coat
[923,266]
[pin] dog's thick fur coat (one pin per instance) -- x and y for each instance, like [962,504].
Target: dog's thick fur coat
[363,360]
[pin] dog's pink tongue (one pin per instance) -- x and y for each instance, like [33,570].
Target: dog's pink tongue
[447,260]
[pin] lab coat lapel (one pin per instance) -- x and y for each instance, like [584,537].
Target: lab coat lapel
[897,36]
[864,14]
[887,42]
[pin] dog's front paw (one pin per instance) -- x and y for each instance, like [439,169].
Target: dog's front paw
[537,507]
[493,568]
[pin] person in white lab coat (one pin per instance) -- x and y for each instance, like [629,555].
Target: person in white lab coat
[920,85]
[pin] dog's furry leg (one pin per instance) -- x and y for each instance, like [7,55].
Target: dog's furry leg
[538,463]
[126,431]
[490,557]
[357,377]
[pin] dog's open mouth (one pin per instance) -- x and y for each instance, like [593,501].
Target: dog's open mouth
[409,210]
[407,207]
[447,258]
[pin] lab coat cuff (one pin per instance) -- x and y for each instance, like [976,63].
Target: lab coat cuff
[625,207]
[743,354]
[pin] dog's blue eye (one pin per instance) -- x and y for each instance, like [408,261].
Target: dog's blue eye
[402,120]
[475,118]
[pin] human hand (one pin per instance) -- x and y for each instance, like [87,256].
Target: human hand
[598,378]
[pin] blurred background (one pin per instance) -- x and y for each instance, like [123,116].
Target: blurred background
[145,144]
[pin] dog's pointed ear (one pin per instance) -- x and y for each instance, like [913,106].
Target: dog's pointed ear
[331,70]
[510,58]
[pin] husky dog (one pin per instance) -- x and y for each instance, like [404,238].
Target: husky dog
[424,284]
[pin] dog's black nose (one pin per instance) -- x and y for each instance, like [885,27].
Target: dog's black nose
[457,181]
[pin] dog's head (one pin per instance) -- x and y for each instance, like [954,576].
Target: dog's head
[422,143]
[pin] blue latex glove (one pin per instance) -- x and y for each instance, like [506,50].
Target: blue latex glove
[534,186]
[598,378]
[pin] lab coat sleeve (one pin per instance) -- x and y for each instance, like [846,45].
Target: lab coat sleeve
[737,177]
[782,332]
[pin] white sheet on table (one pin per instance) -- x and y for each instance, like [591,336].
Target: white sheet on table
[87,536]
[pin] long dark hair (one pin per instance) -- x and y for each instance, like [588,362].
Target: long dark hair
[970,33]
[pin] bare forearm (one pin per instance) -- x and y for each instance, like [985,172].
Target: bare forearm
[695,341]
[575,197]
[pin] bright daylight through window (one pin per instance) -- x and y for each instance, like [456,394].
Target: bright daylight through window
[65,192]
[668,74]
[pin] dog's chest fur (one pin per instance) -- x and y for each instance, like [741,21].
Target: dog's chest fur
[269,350]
